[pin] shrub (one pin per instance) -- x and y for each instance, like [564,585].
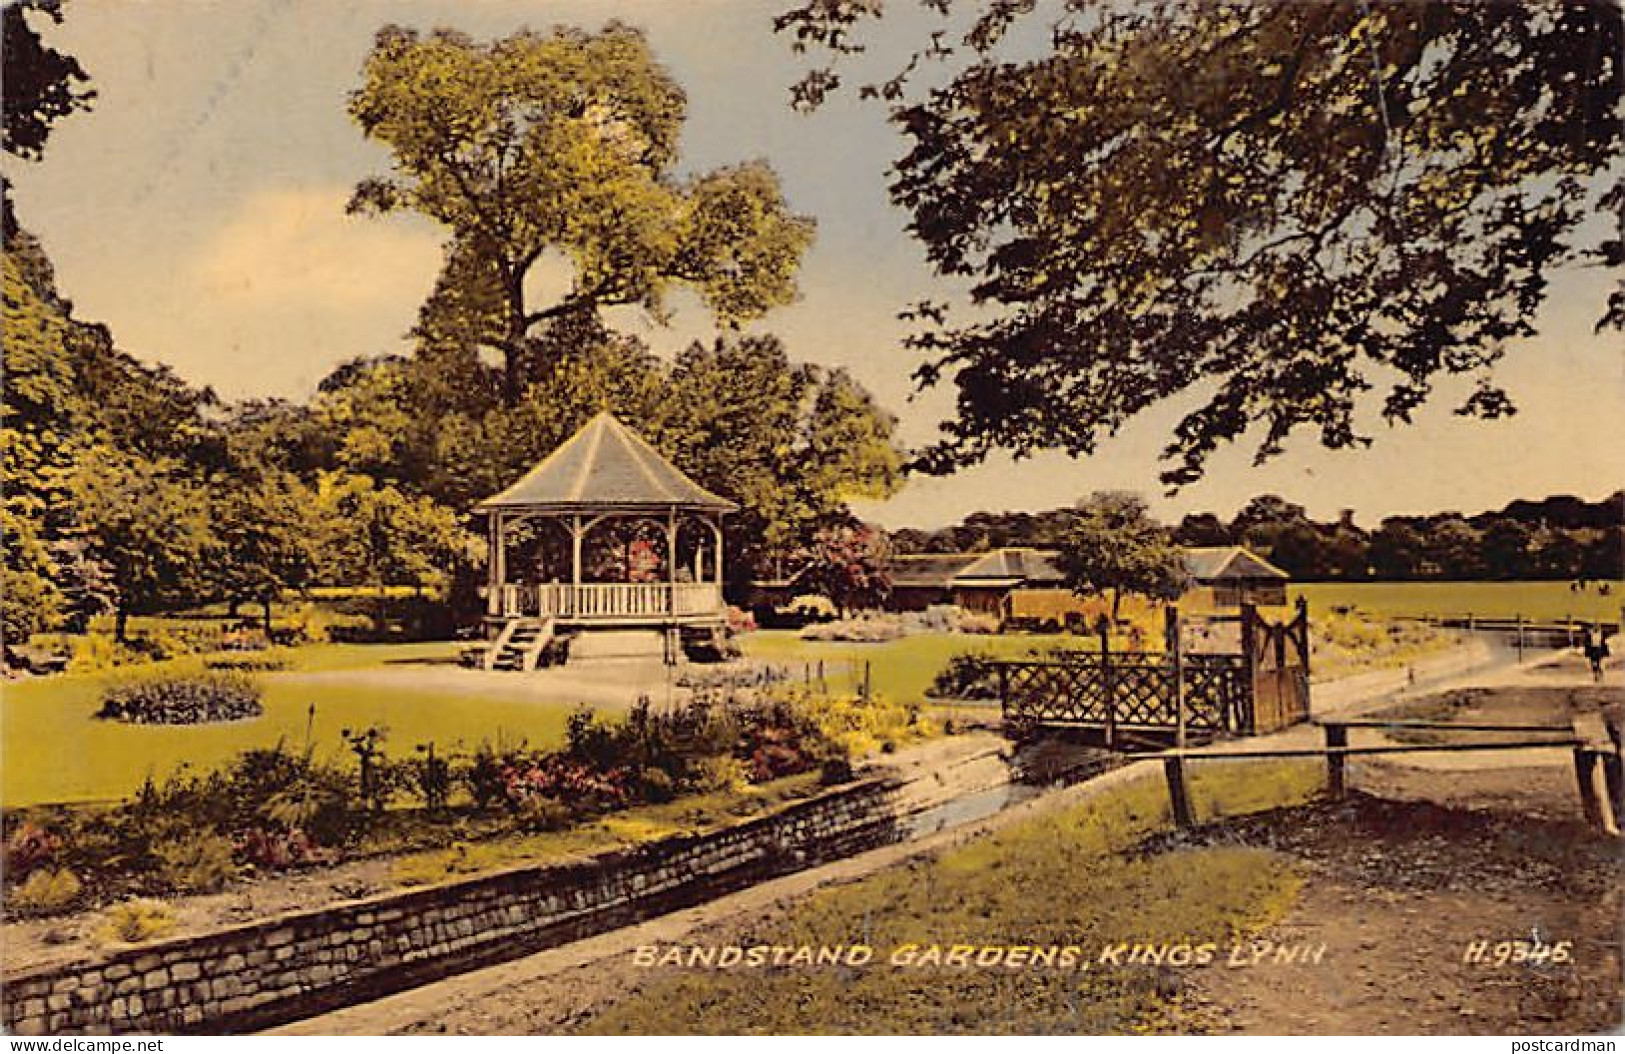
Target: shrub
[274,789]
[138,920]
[96,652]
[722,774]
[968,675]
[539,814]
[429,777]
[812,608]
[311,623]
[48,891]
[983,625]
[280,849]
[181,698]
[485,776]
[740,620]
[199,862]
[27,848]
[563,778]
[867,629]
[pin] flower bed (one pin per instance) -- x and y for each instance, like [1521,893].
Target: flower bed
[181,698]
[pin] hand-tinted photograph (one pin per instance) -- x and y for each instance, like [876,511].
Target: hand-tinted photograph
[809,517]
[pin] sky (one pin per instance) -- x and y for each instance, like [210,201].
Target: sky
[198,210]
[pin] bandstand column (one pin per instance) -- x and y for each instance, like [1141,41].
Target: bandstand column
[716,529]
[671,561]
[575,552]
[496,565]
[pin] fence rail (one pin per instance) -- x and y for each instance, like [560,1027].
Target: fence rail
[1597,764]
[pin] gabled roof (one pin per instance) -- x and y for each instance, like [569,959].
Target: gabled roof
[928,569]
[1012,566]
[1006,567]
[1212,563]
[606,465]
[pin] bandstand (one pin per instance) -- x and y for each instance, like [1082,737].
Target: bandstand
[604,473]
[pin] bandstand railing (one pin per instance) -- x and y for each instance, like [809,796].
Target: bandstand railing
[611,600]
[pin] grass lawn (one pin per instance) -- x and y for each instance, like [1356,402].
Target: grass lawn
[52,750]
[1533,600]
[1053,880]
[900,670]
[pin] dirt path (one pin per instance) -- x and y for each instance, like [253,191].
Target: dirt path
[1401,894]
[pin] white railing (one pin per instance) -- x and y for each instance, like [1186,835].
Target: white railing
[614,600]
[618,600]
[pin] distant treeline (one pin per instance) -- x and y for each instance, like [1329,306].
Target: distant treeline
[1561,537]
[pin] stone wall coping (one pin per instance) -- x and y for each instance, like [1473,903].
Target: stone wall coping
[568,873]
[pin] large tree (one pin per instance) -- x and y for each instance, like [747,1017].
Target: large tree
[562,143]
[1271,207]
[148,522]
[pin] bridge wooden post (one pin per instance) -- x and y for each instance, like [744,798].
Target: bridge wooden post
[1176,648]
[1249,675]
[1337,737]
[1108,691]
[1173,767]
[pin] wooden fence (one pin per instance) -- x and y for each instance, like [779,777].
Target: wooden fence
[1597,759]
[1263,688]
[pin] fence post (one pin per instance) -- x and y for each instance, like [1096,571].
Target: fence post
[1520,636]
[1107,691]
[1303,636]
[1173,767]
[1584,760]
[865,682]
[1337,737]
[1177,650]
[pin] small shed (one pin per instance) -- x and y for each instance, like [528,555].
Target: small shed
[1236,575]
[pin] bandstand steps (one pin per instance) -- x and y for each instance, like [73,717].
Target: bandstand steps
[521,643]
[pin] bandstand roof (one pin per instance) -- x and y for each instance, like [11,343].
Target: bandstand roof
[605,466]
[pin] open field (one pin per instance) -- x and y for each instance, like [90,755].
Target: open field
[1546,601]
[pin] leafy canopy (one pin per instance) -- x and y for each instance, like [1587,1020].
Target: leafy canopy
[1271,208]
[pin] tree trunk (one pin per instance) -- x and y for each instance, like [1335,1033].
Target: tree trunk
[267,602]
[513,341]
[121,623]
[1117,602]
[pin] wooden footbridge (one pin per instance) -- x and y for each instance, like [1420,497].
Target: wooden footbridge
[1261,687]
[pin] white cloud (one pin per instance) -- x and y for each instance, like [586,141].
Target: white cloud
[296,252]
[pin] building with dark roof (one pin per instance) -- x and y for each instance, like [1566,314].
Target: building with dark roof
[1236,575]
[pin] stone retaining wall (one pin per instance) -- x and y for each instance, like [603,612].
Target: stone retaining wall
[302,963]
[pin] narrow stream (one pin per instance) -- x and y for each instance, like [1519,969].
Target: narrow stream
[978,805]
